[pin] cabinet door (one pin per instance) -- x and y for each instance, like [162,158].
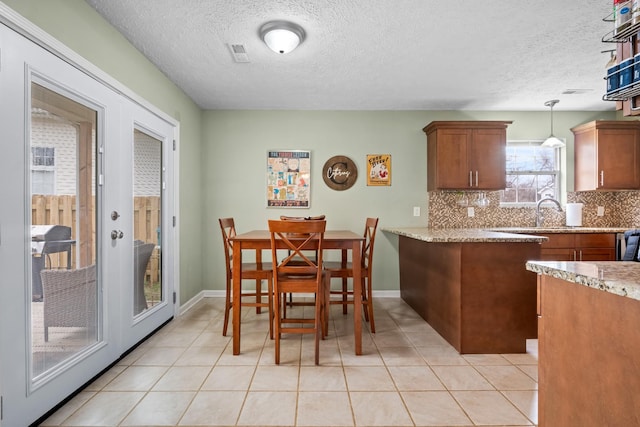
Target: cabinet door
[452,158]
[558,254]
[558,247]
[596,247]
[559,240]
[595,240]
[585,160]
[618,159]
[487,159]
[596,254]
[607,155]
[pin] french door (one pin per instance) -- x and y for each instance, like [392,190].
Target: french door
[85,227]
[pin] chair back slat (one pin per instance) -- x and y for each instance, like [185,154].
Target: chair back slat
[297,237]
[370,228]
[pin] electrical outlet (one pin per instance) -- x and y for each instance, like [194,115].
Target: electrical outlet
[600,210]
[471,212]
[416,211]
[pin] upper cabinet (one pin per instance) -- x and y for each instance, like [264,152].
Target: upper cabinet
[466,155]
[607,155]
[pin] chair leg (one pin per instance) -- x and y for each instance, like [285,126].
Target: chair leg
[326,306]
[258,295]
[345,295]
[319,325]
[368,292]
[271,307]
[227,308]
[277,325]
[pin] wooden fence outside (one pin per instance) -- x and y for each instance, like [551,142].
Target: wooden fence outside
[61,210]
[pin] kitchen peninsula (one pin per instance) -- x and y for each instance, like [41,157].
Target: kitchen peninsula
[588,343]
[470,287]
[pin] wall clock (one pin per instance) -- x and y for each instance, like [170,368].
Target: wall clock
[339,173]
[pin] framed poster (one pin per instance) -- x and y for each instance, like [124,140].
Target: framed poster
[288,178]
[379,169]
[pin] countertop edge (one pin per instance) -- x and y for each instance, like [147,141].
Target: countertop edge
[462,235]
[616,277]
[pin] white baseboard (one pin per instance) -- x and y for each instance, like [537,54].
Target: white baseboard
[221,294]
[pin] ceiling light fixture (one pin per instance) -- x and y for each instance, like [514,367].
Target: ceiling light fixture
[282,36]
[552,141]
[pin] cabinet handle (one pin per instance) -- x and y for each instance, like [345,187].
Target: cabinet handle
[602,178]
[477,179]
[470,179]
[575,255]
[580,254]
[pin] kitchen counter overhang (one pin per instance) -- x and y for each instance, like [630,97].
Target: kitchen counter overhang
[616,277]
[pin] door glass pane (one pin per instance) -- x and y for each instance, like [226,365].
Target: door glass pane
[147,215]
[64,300]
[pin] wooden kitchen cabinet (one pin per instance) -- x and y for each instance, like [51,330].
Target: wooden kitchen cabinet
[466,155]
[601,387]
[607,155]
[579,247]
[476,295]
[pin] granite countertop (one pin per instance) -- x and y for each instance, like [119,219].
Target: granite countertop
[492,234]
[616,277]
[462,235]
[562,229]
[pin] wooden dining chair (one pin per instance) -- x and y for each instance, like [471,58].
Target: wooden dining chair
[313,253]
[257,271]
[344,270]
[299,273]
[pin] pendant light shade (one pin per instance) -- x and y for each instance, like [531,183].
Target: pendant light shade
[552,141]
[282,36]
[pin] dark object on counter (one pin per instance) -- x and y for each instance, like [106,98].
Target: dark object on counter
[632,244]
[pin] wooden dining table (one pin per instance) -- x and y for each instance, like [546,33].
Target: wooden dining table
[333,239]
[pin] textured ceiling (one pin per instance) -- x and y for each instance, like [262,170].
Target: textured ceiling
[377,54]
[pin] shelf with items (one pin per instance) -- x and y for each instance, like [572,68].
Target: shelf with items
[622,36]
[623,79]
[625,19]
[623,94]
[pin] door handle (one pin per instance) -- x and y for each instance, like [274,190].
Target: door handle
[116,234]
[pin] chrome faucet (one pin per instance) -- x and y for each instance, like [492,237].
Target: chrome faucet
[539,216]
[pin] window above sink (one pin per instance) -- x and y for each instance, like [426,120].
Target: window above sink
[533,173]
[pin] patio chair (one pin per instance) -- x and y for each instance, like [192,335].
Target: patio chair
[69,298]
[142,254]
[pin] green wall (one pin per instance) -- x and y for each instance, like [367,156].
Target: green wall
[223,153]
[236,142]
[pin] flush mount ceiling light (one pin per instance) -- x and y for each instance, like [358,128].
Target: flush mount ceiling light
[282,36]
[552,141]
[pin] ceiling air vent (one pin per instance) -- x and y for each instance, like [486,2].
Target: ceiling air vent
[239,53]
[576,91]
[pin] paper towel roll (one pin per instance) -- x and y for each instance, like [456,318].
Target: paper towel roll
[574,214]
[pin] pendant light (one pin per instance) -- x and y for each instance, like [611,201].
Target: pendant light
[282,36]
[552,141]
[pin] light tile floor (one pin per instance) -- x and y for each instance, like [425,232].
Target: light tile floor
[186,375]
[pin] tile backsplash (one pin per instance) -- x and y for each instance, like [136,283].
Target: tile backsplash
[448,210]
